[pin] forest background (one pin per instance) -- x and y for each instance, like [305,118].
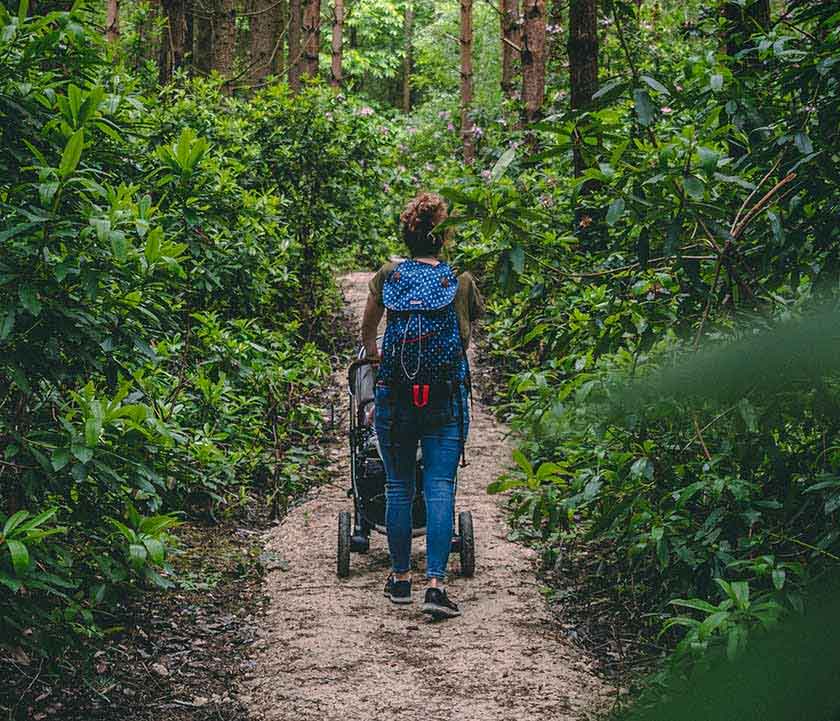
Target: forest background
[637,185]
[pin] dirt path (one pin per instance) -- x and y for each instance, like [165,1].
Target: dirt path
[333,649]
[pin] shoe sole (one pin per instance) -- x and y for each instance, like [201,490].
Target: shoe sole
[397,599]
[439,611]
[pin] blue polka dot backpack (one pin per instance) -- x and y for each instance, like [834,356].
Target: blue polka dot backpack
[423,359]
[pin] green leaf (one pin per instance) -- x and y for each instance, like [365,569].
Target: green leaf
[7,324]
[523,463]
[708,159]
[23,10]
[39,520]
[712,622]
[11,583]
[779,578]
[82,453]
[153,241]
[503,485]
[502,164]
[716,82]
[60,458]
[693,186]
[20,556]
[93,428]
[696,603]
[137,553]
[517,259]
[642,468]
[155,549]
[741,591]
[14,521]
[803,143]
[615,211]
[655,84]
[29,299]
[644,106]
[72,154]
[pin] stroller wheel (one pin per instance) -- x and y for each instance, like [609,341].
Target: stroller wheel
[467,550]
[343,544]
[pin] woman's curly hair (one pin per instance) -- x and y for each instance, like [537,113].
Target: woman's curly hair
[419,218]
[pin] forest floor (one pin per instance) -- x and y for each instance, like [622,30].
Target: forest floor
[330,648]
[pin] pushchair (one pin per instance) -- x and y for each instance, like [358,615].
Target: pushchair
[367,481]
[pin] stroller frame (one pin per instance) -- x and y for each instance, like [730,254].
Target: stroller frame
[354,533]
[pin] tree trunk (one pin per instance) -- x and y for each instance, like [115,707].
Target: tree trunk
[295,57]
[112,23]
[336,72]
[533,59]
[265,39]
[583,63]
[467,134]
[202,36]
[224,37]
[510,26]
[311,37]
[173,48]
[408,27]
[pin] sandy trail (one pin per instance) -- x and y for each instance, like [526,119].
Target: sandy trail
[334,649]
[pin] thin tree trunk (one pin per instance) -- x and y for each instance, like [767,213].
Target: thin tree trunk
[311,37]
[336,73]
[202,36]
[112,23]
[511,50]
[533,59]
[265,32]
[408,27]
[224,37]
[467,129]
[283,24]
[173,48]
[295,58]
[583,63]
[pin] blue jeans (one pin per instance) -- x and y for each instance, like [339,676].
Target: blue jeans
[440,429]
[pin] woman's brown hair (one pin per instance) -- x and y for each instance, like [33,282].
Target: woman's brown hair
[419,218]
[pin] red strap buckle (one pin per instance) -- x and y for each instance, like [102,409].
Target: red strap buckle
[421,395]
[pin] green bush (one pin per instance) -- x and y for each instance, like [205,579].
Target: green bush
[166,275]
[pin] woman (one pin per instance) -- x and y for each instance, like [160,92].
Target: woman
[437,421]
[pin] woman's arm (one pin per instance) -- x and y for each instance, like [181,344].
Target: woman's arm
[370,324]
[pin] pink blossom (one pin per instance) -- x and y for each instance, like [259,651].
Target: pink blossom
[486,174]
[666,110]
[553,29]
[386,188]
[383,130]
[450,127]
[412,131]
[478,132]
[365,111]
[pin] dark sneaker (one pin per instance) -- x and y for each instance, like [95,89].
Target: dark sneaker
[438,604]
[398,591]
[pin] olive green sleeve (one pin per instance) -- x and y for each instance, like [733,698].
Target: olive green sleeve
[377,282]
